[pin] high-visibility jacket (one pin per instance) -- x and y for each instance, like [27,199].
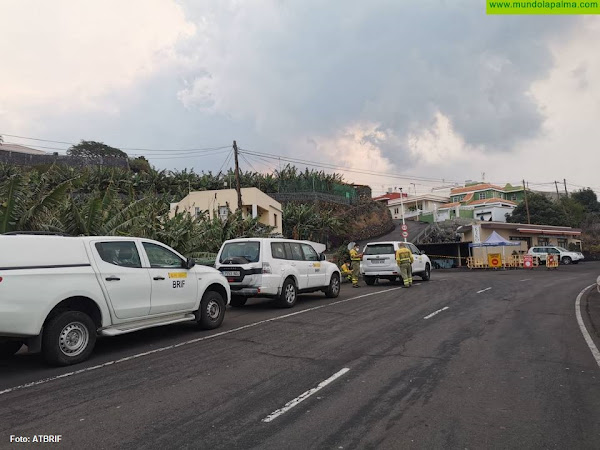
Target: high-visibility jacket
[404,255]
[345,269]
[354,255]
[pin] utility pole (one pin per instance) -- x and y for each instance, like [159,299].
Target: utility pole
[566,192]
[526,204]
[237,177]
[402,211]
[557,194]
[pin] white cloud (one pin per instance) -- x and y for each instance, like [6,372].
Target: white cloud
[66,54]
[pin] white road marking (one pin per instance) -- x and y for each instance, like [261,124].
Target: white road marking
[526,279]
[584,331]
[289,405]
[483,290]
[436,312]
[181,344]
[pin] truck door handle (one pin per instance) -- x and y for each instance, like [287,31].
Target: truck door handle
[113,279]
[158,278]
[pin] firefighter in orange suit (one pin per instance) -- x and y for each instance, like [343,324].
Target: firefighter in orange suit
[404,259]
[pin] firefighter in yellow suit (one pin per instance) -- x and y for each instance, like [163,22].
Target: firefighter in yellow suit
[404,259]
[355,257]
[346,270]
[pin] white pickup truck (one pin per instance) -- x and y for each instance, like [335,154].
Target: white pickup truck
[57,294]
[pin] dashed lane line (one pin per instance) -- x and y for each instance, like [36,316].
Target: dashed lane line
[483,290]
[436,312]
[295,402]
[181,344]
[584,331]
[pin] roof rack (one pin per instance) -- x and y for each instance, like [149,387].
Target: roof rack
[35,233]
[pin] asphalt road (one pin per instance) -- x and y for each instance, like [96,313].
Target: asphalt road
[505,367]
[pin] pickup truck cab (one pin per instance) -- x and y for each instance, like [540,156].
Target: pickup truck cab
[57,294]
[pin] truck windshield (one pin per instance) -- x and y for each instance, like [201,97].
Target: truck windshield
[240,251]
[379,249]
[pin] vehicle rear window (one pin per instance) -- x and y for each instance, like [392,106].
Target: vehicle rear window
[379,249]
[248,251]
[277,250]
[119,253]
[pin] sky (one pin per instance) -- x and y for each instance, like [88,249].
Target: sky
[432,90]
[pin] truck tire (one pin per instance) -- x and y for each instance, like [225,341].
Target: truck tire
[289,294]
[237,301]
[9,348]
[212,311]
[333,290]
[566,260]
[68,338]
[370,280]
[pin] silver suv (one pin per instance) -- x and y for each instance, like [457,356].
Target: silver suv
[564,256]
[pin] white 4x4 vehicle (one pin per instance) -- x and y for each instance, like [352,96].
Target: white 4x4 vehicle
[379,261]
[564,256]
[278,268]
[57,294]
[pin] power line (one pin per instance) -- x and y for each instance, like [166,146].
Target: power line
[338,167]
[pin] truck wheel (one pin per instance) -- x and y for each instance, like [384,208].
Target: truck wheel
[289,294]
[68,338]
[238,301]
[566,260]
[9,348]
[212,311]
[370,280]
[334,287]
[425,276]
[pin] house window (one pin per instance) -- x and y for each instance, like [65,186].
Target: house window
[275,220]
[197,212]
[543,241]
[481,196]
[562,242]
[223,212]
[513,197]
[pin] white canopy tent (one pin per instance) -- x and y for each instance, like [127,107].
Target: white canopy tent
[495,240]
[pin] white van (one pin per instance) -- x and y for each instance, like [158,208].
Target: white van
[57,294]
[379,261]
[277,268]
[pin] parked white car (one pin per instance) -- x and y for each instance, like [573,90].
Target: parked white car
[564,256]
[57,294]
[276,268]
[379,261]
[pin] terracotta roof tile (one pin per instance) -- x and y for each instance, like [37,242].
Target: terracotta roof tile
[449,205]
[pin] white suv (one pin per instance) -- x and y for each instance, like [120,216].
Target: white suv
[277,268]
[379,261]
[565,256]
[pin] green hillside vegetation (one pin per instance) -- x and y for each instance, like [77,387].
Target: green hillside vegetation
[114,201]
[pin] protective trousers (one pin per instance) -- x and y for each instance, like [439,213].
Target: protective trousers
[355,272]
[406,273]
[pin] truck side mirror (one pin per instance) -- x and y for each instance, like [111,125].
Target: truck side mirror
[189,263]
[322,257]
